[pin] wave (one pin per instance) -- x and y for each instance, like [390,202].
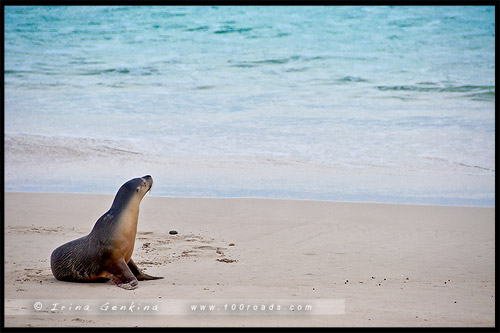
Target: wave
[483,96]
[478,92]
[275,61]
[201,28]
[472,166]
[347,79]
[148,70]
[106,71]
[53,147]
[466,88]
[228,30]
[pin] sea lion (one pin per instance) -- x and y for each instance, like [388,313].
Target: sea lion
[105,254]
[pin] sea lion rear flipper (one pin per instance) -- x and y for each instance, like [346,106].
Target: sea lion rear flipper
[139,274]
[121,275]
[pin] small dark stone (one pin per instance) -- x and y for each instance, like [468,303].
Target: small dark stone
[172,232]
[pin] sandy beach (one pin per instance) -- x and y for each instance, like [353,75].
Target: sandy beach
[326,166]
[391,265]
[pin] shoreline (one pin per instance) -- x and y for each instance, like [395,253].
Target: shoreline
[65,164]
[266,198]
[392,264]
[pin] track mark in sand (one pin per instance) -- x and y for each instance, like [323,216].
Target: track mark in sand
[226,260]
[33,229]
[80,320]
[30,275]
[160,248]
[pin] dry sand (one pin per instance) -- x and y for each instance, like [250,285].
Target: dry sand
[393,265]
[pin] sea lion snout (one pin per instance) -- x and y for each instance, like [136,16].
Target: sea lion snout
[149,181]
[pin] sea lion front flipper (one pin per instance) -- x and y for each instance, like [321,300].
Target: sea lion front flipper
[139,274]
[121,275]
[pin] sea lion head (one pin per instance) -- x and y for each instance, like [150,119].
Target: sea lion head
[133,191]
[142,185]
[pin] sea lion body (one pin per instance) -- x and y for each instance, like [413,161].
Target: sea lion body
[106,252]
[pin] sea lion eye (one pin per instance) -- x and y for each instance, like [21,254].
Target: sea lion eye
[137,189]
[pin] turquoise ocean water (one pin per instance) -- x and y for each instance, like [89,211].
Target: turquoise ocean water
[384,104]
